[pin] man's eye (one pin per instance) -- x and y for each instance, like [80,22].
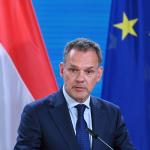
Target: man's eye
[73,70]
[89,72]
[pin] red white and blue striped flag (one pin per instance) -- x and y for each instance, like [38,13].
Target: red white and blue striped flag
[25,70]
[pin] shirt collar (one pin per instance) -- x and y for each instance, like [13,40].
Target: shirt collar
[72,102]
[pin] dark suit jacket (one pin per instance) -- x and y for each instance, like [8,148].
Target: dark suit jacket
[46,125]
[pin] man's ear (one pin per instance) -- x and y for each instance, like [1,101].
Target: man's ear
[61,69]
[100,72]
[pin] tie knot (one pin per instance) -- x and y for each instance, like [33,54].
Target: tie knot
[80,109]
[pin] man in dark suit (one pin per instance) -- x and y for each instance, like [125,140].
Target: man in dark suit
[54,123]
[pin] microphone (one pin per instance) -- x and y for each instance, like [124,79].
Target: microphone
[96,136]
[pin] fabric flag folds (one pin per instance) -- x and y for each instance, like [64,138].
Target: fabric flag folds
[25,70]
[126,79]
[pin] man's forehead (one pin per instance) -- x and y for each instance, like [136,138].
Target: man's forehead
[81,67]
[82,50]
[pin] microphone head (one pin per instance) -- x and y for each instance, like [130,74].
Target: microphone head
[92,133]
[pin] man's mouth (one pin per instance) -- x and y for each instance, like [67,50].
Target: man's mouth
[79,88]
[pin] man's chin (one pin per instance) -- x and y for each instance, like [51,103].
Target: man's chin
[80,99]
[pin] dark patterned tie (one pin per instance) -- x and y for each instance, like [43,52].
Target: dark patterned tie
[81,129]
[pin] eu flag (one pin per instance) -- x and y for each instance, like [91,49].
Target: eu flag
[126,79]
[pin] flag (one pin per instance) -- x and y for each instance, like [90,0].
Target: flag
[25,70]
[126,79]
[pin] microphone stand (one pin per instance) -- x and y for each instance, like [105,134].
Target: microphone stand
[94,135]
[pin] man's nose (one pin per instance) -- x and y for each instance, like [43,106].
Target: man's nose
[80,76]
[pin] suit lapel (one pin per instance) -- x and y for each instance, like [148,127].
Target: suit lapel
[60,114]
[98,122]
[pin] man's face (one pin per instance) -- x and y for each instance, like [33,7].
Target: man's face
[80,73]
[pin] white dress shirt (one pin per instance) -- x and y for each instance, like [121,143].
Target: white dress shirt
[73,111]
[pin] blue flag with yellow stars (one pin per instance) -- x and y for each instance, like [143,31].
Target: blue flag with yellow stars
[126,79]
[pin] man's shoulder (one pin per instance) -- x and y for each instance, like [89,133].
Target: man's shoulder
[44,102]
[104,104]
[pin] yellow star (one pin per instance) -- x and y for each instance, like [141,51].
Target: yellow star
[127,26]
